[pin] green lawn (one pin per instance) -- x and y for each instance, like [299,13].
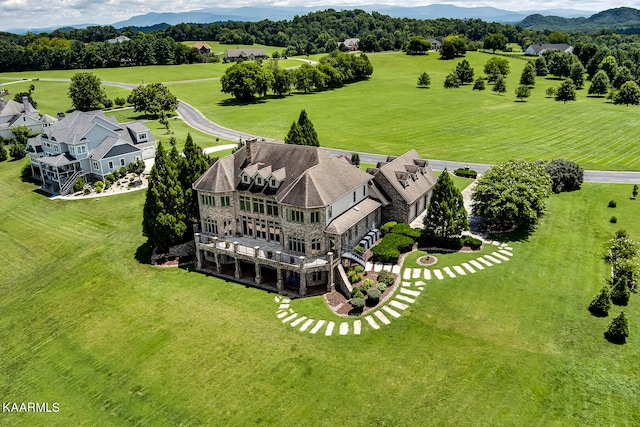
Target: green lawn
[116,342]
[389,114]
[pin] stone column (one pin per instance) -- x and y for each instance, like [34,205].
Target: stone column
[198,255]
[303,278]
[256,251]
[330,281]
[238,273]
[279,283]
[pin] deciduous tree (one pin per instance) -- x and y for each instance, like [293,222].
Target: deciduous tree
[499,86]
[451,81]
[541,66]
[565,175]
[495,42]
[523,92]
[86,92]
[566,91]
[629,94]
[452,47]
[245,80]
[153,99]
[417,45]
[512,194]
[599,84]
[577,74]
[528,76]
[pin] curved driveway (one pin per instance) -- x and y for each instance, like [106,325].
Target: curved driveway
[194,118]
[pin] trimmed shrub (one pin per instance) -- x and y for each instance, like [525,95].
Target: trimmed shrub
[357,303]
[618,331]
[358,269]
[99,186]
[367,283]
[565,175]
[386,278]
[353,276]
[107,103]
[406,230]
[620,293]
[109,179]
[86,190]
[466,173]
[79,185]
[359,249]
[613,220]
[123,171]
[399,241]
[373,296]
[25,172]
[471,242]
[434,242]
[3,153]
[612,204]
[357,292]
[381,286]
[386,227]
[17,151]
[601,304]
[385,254]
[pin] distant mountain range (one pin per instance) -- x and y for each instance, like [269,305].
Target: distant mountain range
[624,19]
[277,13]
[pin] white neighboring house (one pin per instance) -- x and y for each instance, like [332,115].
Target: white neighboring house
[90,145]
[14,114]
[539,49]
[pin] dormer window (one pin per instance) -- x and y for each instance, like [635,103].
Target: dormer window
[259,181]
[142,136]
[246,179]
[273,183]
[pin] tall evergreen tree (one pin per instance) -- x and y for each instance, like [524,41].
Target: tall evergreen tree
[464,71]
[499,86]
[620,293]
[295,135]
[163,218]
[195,164]
[309,133]
[446,216]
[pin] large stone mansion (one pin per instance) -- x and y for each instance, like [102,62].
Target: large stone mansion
[283,216]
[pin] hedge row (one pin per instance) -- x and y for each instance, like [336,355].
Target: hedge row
[406,230]
[466,173]
[390,247]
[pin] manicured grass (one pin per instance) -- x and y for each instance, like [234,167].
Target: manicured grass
[455,124]
[117,342]
[217,47]
[452,124]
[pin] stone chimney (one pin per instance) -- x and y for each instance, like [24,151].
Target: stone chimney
[251,148]
[25,104]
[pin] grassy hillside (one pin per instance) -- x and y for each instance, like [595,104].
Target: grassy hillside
[389,114]
[116,342]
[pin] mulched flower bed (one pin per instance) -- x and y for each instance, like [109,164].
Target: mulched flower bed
[341,306]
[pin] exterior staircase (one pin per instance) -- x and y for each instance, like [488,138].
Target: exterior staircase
[68,186]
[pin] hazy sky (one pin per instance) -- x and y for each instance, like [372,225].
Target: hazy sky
[43,14]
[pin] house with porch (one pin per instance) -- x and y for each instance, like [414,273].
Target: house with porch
[282,216]
[202,47]
[86,144]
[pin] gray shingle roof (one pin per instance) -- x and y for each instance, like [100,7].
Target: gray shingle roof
[399,171]
[245,52]
[59,160]
[314,177]
[121,149]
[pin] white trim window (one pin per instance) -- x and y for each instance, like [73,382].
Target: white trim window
[121,162]
[210,226]
[96,165]
[110,164]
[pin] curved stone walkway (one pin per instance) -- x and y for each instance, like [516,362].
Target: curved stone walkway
[413,282]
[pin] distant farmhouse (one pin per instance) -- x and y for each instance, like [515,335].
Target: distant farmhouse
[284,216]
[90,145]
[119,39]
[539,49]
[202,47]
[14,114]
[244,54]
[435,44]
[350,45]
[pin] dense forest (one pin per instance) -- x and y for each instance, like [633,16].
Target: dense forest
[317,32]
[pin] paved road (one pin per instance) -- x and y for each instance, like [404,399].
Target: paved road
[197,120]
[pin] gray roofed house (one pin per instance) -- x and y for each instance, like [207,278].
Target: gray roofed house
[294,211]
[119,39]
[539,49]
[245,54]
[14,114]
[86,144]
